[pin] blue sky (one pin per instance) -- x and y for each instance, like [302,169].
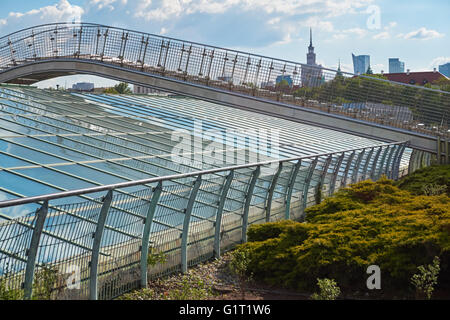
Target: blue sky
[416,31]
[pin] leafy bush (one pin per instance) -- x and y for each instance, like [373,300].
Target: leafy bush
[44,282]
[328,290]
[238,266]
[189,287]
[370,223]
[7,293]
[426,279]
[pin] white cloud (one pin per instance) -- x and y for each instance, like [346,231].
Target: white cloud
[422,34]
[391,25]
[352,32]
[382,36]
[168,9]
[100,4]
[274,21]
[316,22]
[62,11]
[439,61]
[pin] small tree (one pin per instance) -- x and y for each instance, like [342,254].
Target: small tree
[239,266]
[110,91]
[45,280]
[369,70]
[426,279]
[122,88]
[328,290]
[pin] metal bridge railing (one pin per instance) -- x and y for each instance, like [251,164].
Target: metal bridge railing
[99,249]
[410,107]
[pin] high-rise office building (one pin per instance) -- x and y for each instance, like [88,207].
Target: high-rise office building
[396,66]
[445,69]
[360,63]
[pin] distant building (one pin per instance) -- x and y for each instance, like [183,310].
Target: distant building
[268,85]
[360,63]
[83,86]
[225,78]
[286,78]
[381,110]
[445,69]
[311,73]
[415,78]
[396,66]
[144,90]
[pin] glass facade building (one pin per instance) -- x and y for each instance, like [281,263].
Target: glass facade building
[396,66]
[445,69]
[360,63]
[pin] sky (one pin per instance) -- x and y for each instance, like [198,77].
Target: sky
[416,31]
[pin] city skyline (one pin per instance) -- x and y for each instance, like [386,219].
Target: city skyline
[278,28]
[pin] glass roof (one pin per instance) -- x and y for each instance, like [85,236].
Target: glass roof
[53,141]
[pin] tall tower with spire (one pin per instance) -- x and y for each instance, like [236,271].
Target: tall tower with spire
[311,73]
[310,56]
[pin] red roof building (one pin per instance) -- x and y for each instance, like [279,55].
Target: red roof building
[416,78]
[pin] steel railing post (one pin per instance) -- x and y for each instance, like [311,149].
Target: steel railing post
[373,168]
[308,178]
[105,35]
[41,215]
[394,171]
[389,161]
[145,52]
[271,191]
[382,161]
[324,172]
[99,34]
[225,59]
[200,72]
[411,161]
[335,173]
[357,166]
[218,223]
[290,188]
[187,220]
[366,164]
[146,233]
[248,200]
[79,42]
[165,56]
[246,69]
[208,77]
[93,278]
[347,169]
[187,62]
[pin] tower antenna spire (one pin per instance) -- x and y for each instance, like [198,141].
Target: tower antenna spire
[310,36]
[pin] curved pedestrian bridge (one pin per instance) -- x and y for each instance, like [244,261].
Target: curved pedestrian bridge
[360,105]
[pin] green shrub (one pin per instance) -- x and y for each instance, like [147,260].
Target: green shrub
[426,279]
[268,230]
[7,293]
[370,223]
[44,282]
[328,290]
[187,287]
[426,177]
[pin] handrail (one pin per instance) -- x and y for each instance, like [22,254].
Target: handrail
[350,74]
[179,62]
[58,195]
